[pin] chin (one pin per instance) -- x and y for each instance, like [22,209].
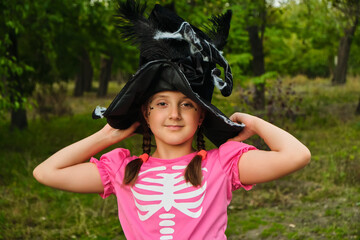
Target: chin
[173,141]
[176,143]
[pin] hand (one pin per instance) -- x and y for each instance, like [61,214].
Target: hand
[117,135]
[249,122]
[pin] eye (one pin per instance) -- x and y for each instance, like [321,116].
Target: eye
[187,105]
[161,104]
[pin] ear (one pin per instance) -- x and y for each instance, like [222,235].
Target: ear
[144,111]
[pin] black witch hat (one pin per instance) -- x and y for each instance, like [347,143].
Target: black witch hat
[174,55]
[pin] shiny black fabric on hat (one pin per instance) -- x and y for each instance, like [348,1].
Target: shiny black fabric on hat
[174,55]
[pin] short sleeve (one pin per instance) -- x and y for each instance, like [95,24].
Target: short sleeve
[108,165]
[229,157]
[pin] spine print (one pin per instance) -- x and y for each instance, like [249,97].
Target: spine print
[166,225]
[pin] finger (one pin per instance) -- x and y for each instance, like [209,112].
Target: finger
[132,128]
[234,117]
[237,139]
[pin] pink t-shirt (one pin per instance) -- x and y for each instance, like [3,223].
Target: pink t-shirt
[161,205]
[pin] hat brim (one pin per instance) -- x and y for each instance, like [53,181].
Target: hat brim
[163,75]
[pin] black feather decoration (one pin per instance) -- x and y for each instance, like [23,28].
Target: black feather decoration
[134,26]
[165,35]
[219,30]
[131,14]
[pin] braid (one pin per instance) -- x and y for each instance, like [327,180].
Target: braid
[146,139]
[193,173]
[200,139]
[133,167]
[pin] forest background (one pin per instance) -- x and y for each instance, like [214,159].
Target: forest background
[295,63]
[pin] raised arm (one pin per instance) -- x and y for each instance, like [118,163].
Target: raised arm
[286,156]
[66,169]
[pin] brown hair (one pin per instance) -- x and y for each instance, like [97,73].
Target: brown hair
[133,167]
[193,173]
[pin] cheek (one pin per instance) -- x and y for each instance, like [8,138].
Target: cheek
[155,116]
[194,118]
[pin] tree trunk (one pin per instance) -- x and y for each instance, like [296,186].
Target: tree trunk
[18,115]
[88,72]
[258,65]
[343,55]
[357,111]
[105,74]
[79,84]
[84,77]
[18,118]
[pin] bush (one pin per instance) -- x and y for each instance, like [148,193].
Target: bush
[50,100]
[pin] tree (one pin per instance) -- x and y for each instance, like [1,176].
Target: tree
[350,10]
[357,111]
[255,15]
[105,75]
[13,69]
[37,46]
[301,38]
[258,63]
[85,74]
[84,23]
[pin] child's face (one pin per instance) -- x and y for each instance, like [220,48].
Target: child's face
[173,118]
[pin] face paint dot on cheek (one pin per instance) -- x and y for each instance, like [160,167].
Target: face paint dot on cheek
[150,108]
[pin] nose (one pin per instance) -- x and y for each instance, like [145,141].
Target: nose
[175,113]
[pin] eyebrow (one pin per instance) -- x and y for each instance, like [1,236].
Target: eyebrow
[166,96]
[161,96]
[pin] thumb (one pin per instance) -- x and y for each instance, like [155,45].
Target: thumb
[134,126]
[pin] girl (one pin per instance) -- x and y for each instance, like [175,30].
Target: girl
[175,192]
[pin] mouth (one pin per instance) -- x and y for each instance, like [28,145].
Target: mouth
[174,127]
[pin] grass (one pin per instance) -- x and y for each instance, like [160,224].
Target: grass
[322,201]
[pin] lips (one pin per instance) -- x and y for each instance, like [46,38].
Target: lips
[174,127]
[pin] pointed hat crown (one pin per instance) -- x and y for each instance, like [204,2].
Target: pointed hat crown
[165,35]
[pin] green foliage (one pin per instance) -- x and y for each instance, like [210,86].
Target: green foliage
[10,24]
[237,50]
[262,79]
[43,42]
[301,40]
[354,59]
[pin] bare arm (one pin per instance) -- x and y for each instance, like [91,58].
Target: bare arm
[66,169]
[287,154]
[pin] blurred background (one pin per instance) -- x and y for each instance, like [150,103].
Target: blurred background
[295,63]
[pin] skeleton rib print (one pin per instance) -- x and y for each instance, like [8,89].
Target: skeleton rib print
[156,189]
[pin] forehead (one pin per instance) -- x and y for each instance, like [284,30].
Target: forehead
[169,94]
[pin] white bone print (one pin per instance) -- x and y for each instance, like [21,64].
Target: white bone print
[167,190]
